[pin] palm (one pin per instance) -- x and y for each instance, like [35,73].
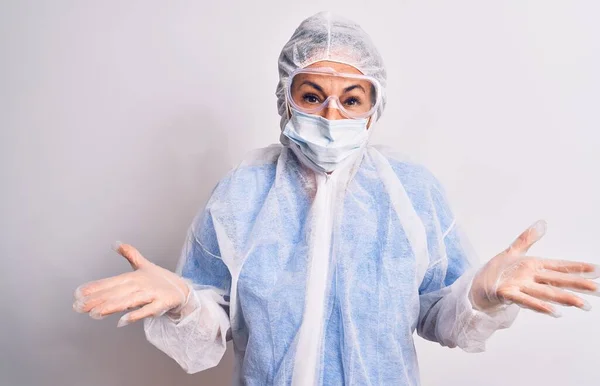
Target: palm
[154,289]
[531,282]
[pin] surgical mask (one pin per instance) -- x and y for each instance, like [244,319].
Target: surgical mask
[326,143]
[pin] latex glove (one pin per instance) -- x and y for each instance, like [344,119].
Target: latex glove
[530,282]
[154,289]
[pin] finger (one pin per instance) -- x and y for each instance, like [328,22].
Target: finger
[586,270]
[122,303]
[152,309]
[86,304]
[133,256]
[528,301]
[90,288]
[566,280]
[556,295]
[526,239]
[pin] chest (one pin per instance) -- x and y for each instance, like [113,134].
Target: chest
[355,238]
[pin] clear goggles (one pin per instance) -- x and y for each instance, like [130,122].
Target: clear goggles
[311,90]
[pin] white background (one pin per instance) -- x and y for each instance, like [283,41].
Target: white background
[118,117]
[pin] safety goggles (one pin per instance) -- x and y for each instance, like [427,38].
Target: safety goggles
[310,90]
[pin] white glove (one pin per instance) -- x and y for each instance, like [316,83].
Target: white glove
[530,282]
[154,289]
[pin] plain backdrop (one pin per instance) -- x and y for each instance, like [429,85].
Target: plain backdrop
[117,119]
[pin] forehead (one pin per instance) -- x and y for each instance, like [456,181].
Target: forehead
[339,67]
[327,81]
[330,84]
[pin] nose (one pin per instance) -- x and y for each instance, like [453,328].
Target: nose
[331,113]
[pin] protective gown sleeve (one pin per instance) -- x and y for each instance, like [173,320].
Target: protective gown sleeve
[196,340]
[446,313]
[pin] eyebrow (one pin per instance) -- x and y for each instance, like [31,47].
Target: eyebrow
[350,88]
[314,85]
[320,89]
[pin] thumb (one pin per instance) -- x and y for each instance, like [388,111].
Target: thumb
[133,256]
[526,239]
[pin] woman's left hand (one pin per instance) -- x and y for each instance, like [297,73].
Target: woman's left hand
[530,282]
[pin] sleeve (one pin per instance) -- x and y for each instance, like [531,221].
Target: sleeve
[196,339]
[446,313]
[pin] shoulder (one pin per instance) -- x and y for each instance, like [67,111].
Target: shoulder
[252,177]
[422,186]
[413,175]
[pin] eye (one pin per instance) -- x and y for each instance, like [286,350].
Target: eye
[352,102]
[311,99]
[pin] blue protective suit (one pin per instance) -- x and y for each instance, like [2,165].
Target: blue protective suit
[323,279]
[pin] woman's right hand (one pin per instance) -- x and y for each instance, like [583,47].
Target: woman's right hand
[153,288]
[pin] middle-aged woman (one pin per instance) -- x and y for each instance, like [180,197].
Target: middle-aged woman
[321,256]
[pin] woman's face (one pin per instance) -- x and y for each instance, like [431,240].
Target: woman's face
[309,90]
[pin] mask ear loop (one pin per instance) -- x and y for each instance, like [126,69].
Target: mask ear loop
[373,118]
[288,108]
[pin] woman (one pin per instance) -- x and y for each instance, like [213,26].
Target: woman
[321,256]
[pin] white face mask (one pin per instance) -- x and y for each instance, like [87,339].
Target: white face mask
[326,143]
